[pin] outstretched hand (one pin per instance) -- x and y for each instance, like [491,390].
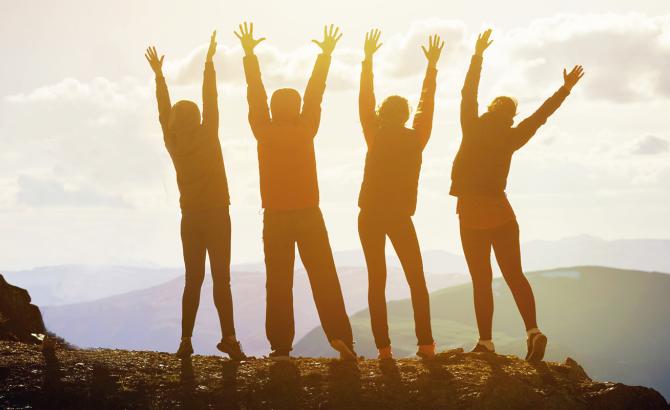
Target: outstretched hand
[483,42]
[372,43]
[156,63]
[330,39]
[571,78]
[246,36]
[435,45]
[212,47]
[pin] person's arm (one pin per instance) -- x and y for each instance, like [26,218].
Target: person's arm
[316,86]
[528,127]
[423,120]
[469,104]
[210,106]
[366,96]
[162,94]
[259,112]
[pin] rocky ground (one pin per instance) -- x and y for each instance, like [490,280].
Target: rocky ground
[102,379]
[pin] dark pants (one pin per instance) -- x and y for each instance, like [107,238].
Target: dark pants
[373,229]
[477,245]
[207,232]
[282,230]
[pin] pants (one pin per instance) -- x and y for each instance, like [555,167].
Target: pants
[373,228]
[282,230]
[477,245]
[207,232]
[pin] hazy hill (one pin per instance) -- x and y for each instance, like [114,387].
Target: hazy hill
[612,321]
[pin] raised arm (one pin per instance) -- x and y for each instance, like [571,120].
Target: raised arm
[259,112]
[210,106]
[311,108]
[423,120]
[366,96]
[469,104]
[162,94]
[528,127]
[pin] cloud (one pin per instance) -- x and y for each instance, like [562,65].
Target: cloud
[650,145]
[46,192]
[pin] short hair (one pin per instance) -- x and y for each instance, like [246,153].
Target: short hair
[394,110]
[503,105]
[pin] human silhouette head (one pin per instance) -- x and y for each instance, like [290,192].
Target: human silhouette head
[503,108]
[394,111]
[184,118]
[285,105]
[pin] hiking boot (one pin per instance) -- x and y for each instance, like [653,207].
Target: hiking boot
[185,349]
[346,352]
[280,355]
[232,347]
[537,344]
[426,352]
[385,353]
[480,348]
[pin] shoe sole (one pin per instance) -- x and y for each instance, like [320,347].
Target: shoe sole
[280,358]
[539,346]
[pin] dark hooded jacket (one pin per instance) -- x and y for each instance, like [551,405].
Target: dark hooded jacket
[195,148]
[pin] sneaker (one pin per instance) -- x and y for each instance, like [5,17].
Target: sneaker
[232,348]
[385,353]
[346,352]
[426,352]
[280,355]
[185,349]
[537,344]
[480,348]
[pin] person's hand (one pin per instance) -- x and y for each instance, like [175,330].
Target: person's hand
[483,42]
[372,43]
[246,36]
[435,45]
[156,63]
[212,47]
[573,77]
[330,39]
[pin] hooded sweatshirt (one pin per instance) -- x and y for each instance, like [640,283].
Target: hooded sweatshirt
[195,148]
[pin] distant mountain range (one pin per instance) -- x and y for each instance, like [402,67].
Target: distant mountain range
[614,322]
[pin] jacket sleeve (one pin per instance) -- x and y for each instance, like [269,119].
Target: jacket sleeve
[528,127]
[469,104]
[210,106]
[311,108]
[164,107]
[423,120]
[367,103]
[259,112]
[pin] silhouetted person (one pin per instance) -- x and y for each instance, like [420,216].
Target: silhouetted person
[205,224]
[479,178]
[389,191]
[290,196]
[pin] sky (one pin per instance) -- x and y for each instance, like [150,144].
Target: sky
[85,178]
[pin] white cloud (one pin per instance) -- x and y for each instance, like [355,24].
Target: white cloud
[45,192]
[650,145]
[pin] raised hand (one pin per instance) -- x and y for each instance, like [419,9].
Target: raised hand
[156,63]
[372,43]
[330,39]
[571,78]
[435,45]
[246,36]
[212,47]
[483,42]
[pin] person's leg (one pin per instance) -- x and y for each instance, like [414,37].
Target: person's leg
[279,247]
[218,248]
[317,256]
[373,241]
[193,245]
[406,244]
[508,254]
[477,249]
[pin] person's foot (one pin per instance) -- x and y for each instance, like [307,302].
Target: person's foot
[280,355]
[537,344]
[385,353]
[185,349]
[426,352]
[231,346]
[480,348]
[346,352]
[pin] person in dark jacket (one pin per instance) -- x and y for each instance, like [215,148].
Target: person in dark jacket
[290,196]
[389,192]
[196,154]
[479,179]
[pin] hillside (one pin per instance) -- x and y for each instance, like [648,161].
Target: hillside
[612,321]
[112,379]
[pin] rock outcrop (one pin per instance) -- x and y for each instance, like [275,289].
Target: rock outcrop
[19,319]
